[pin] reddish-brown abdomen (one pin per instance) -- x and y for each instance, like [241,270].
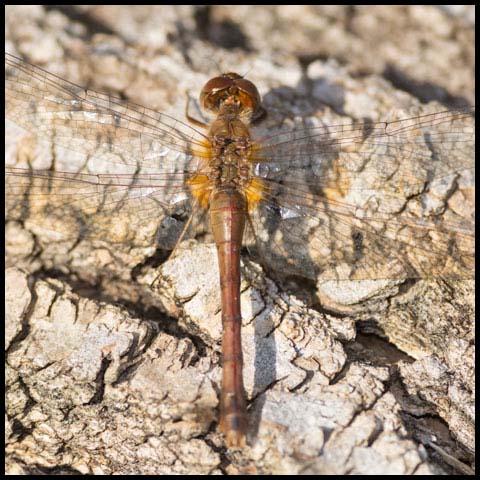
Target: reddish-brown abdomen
[228,210]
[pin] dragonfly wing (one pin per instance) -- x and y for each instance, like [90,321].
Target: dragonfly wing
[124,136]
[131,210]
[386,205]
[115,170]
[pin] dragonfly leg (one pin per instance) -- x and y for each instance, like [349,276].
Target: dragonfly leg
[191,119]
[185,229]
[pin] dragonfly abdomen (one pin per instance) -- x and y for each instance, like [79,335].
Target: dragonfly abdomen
[228,213]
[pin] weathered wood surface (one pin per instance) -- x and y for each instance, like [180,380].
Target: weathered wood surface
[119,373]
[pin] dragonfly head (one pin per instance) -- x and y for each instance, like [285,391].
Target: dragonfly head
[232,91]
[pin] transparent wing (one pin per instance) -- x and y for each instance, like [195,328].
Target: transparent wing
[122,134]
[136,210]
[418,139]
[370,201]
[141,160]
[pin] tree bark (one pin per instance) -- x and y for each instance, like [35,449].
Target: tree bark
[113,353]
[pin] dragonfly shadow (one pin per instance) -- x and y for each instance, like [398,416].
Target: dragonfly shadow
[334,196]
[293,195]
[308,97]
[265,361]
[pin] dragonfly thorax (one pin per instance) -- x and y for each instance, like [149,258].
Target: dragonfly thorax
[230,169]
[231,145]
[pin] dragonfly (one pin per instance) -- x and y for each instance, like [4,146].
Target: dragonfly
[351,201]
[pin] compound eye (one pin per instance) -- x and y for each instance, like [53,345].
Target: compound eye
[230,88]
[216,84]
[247,87]
[214,90]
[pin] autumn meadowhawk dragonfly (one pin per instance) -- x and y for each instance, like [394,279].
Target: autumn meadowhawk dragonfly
[335,202]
